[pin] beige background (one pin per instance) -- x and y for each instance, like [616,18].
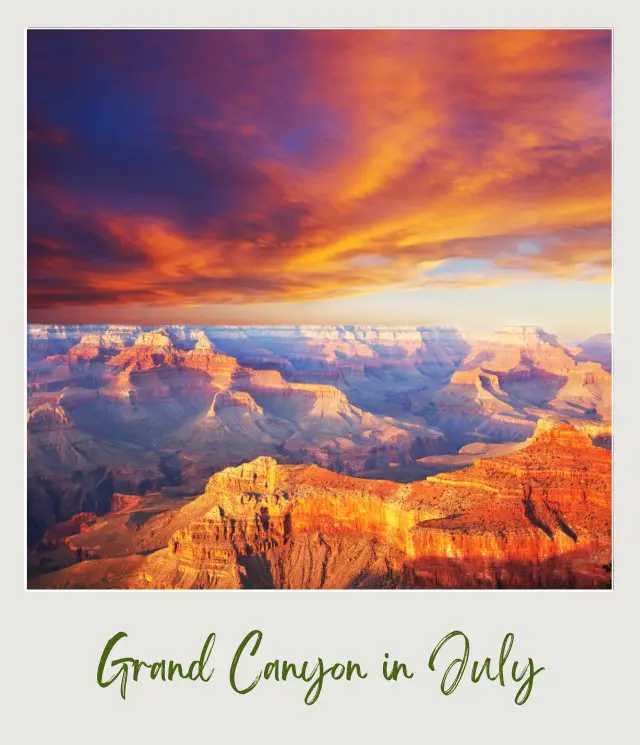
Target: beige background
[52,640]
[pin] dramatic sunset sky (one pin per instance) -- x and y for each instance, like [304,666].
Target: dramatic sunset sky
[418,177]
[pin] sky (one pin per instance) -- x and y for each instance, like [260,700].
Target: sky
[278,177]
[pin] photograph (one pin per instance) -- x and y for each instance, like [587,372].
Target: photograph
[318,309]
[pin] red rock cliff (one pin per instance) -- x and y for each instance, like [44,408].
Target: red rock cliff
[523,510]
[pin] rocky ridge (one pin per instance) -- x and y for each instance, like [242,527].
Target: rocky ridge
[538,517]
[114,405]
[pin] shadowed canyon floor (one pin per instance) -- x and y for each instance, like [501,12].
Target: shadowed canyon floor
[342,457]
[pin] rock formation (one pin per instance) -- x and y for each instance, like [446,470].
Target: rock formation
[538,517]
[128,424]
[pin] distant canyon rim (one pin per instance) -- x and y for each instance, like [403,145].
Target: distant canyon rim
[307,457]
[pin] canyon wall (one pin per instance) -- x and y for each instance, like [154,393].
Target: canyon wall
[504,519]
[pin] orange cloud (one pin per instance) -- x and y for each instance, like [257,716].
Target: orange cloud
[313,165]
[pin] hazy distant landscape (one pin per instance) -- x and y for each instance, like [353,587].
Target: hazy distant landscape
[317,456]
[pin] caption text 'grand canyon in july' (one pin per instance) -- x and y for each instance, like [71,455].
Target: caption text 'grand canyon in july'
[319,309]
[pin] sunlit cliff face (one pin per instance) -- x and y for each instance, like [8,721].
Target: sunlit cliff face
[175,169]
[544,510]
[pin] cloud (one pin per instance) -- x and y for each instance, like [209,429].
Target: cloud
[176,169]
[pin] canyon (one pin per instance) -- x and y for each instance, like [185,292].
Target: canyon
[316,457]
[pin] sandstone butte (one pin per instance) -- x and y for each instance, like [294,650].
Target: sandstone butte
[539,517]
